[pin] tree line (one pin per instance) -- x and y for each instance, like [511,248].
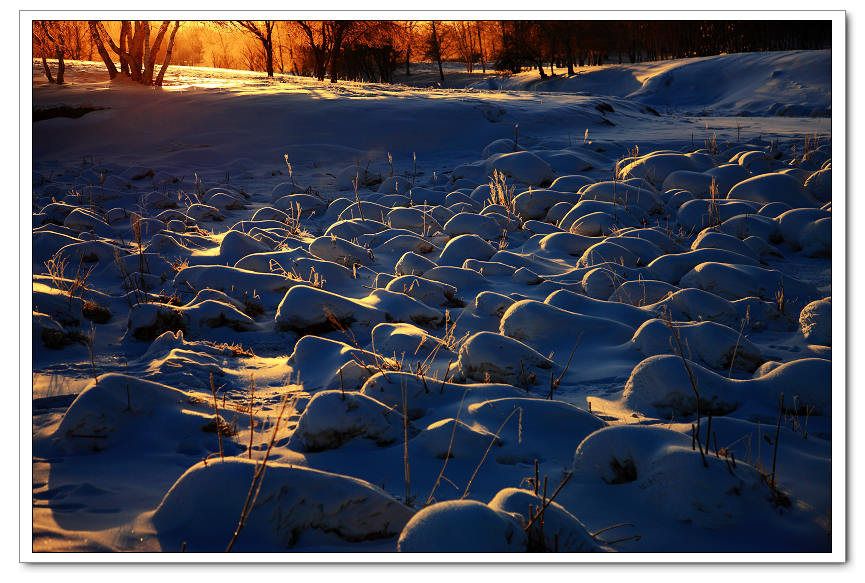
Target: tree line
[374,50]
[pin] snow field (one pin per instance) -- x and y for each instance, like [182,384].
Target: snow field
[456,343]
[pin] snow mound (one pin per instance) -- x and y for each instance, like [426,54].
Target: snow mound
[772,187]
[322,363]
[642,292]
[483,226]
[710,343]
[333,418]
[711,239]
[462,247]
[819,185]
[727,176]
[626,195]
[661,385]
[654,168]
[531,321]
[490,357]
[412,263]
[231,280]
[815,320]
[699,213]
[432,293]
[536,204]
[570,183]
[524,167]
[340,251]
[413,219]
[308,310]
[121,412]
[630,316]
[462,526]
[548,430]
[673,267]
[423,394]
[147,321]
[204,505]
[692,304]
[793,224]
[351,176]
[671,476]
[816,240]
[742,281]
[451,438]
[561,531]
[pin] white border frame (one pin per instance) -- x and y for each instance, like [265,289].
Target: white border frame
[840,278]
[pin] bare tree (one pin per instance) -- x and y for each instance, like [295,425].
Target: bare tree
[318,36]
[409,32]
[436,46]
[100,48]
[167,59]
[50,40]
[325,40]
[220,54]
[479,25]
[134,49]
[262,31]
[463,34]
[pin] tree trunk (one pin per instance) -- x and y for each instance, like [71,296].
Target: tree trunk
[279,45]
[334,56]
[268,57]
[121,50]
[407,61]
[96,39]
[48,74]
[61,65]
[43,48]
[268,47]
[145,59]
[136,48]
[167,60]
[481,48]
[438,51]
[150,62]
[541,69]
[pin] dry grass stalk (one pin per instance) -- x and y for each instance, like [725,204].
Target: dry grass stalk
[674,331]
[258,476]
[216,418]
[519,412]
[440,477]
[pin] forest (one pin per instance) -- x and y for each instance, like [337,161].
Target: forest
[376,50]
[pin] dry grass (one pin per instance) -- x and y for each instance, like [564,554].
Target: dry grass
[517,411]
[500,192]
[73,287]
[260,468]
[714,208]
[674,331]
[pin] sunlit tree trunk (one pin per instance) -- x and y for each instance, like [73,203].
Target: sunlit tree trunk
[168,51]
[59,49]
[481,48]
[437,50]
[338,35]
[45,66]
[96,39]
[150,59]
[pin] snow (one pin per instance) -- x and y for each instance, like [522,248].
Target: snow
[485,305]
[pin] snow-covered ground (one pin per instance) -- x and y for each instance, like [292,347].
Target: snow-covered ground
[429,308]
